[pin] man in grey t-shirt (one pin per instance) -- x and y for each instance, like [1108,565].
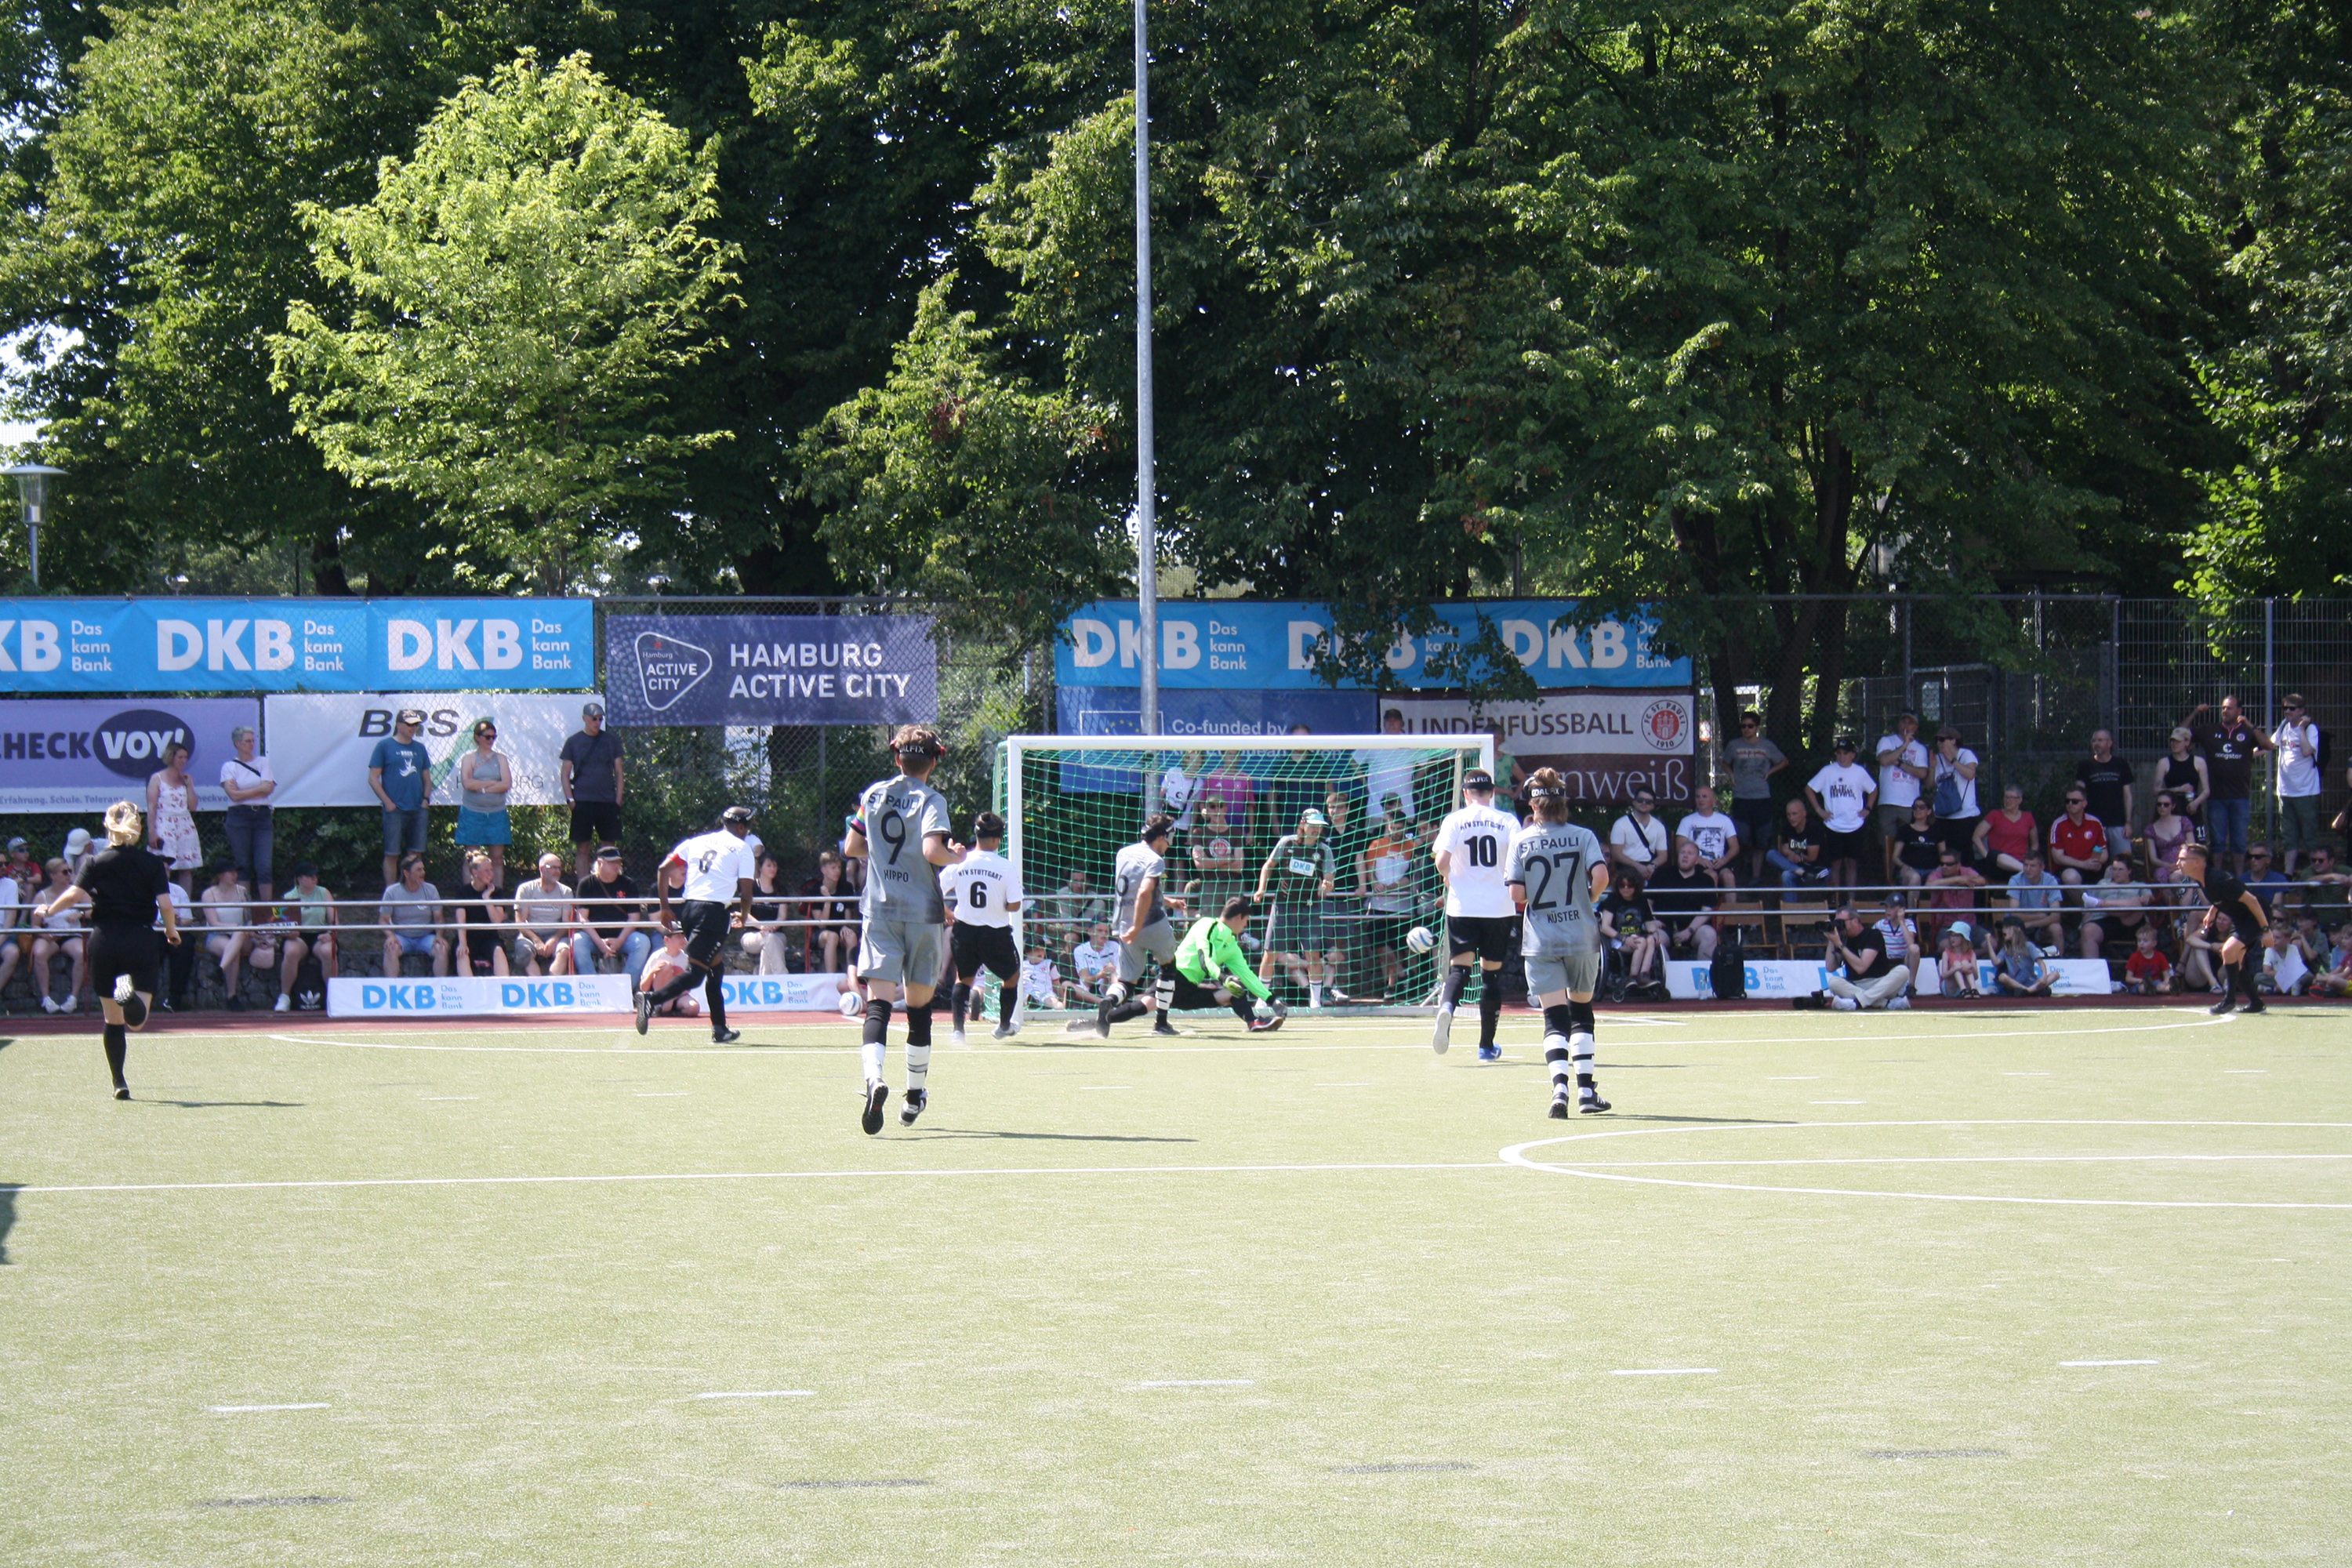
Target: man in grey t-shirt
[1556,869]
[1144,934]
[1754,760]
[901,833]
[412,919]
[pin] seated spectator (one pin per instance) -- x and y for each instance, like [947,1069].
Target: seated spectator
[411,919]
[608,912]
[2284,974]
[830,897]
[1630,929]
[1638,840]
[1094,965]
[2263,878]
[2040,901]
[1869,979]
[1915,845]
[225,912]
[2169,833]
[543,909]
[24,870]
[2006,835]
[667,960]
[1041,984]
[2323,887]
[481,946]
[312,936]
[1956,966]
[2200,950]
[1716,834]
[1797,849]
[766,938]
[2113,909]
[1952,889]
[2078,842]
[2336,979]
[1895,929]
[2019,969]
[11,901]
[2147,972]
[179,958]
[1684,897]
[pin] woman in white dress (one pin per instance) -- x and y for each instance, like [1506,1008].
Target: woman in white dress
[172,817]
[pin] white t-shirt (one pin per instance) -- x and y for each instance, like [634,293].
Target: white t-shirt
[244,775]
[1092,963]
[1711,831]
[980,889]
[1178,792]
[659,961]
[1940,770]
[2286,966]
[1386,773]
[1845,789]
[1643,844]
[9,901]
[715,863]
[1478,837]
[1895,786]
[2298,759]
[1038,980]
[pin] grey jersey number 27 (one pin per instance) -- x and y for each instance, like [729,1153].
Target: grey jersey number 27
[1554,861]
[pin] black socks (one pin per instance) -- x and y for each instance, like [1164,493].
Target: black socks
[918,1024]
[1457,979]
[118,1051]
[714,994]
[877,1021]
[1561,1019]
[1008,998]
[960,1003]
[1490,1009]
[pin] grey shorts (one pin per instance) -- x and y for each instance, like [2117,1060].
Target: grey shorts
[904,952]
[1157,941]
[1570,971]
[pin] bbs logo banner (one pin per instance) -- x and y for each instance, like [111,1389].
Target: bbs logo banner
[82,755]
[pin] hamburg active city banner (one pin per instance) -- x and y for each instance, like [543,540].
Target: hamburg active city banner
[771,669]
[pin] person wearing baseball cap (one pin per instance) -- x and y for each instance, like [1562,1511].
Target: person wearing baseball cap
[592,786]
[23,870]
[400,772]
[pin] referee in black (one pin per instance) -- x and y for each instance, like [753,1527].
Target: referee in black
[123,884]
[2226,895]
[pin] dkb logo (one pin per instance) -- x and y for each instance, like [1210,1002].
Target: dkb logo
[668,668]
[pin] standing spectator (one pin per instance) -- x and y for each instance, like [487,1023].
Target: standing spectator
[481,946]
[1388,773]
[1716,834]
[1902,779]
[484,780]
[400,771]
[248,781]
[23,871]
[2107,780]
[2228,744]
[2040,900]
[1952,889]
[1179,788]
[1638,841]
[411,919]
[543,910]
[766,938]
[230,940]
[2297,744]
[314,919]
[2078,841]
[1918,843]
[2184,772]
[1870,980]
[1094,964]
[1386,871]
[1797,852]
[1232,790]
[1684,897]
[1216,853]
[172,817]
[2006,835]
[60,932]
[607,907]
[832,904]
[589,768]
[1842,793]
[1952,785]
[2169,833]
[1754,761]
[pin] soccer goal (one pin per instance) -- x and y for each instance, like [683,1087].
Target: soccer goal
[1071,803]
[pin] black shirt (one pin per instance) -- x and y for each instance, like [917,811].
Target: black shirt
[2228,895]
[1872,940]
[123,882]
[1675,895]
[2102,785]
[477,908]
[1795,841]
[1631,916]
[615,900]
[592,758]
[842,906]
[1920,849]
[2229,759]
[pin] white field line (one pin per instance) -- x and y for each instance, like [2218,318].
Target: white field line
[1666,1371]
[1201,1382]
[257,1409]
[2150,1362]
[753,1176]
[765,1393]
[1947,1160]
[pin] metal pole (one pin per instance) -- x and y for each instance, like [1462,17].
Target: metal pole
[1147,544]
[2270,707]
[33,528]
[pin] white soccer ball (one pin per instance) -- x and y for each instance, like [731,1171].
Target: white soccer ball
[852,1004]
[1421,939]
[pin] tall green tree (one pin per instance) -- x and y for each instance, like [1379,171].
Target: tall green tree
[524,289]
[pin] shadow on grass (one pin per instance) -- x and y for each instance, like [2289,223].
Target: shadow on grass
[226,1104]
[7,1217]
[934,1132]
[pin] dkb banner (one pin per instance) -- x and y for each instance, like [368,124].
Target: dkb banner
[319,745]
[296,645]
[568,996]
[84,756]
[771,669]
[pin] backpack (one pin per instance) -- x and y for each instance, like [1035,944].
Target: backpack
[309,986]
[1948,797]
[1727,972]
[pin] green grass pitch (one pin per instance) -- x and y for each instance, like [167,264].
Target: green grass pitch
[341,1295]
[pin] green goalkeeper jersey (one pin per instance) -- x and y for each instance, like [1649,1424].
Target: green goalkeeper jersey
[1211,947]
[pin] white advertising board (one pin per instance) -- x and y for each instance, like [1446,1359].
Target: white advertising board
[319,743]
[1687,979]
[562,996]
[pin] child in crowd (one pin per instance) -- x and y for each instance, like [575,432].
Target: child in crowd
[2283,970]
[663,961]
[1957,966]
[2338,981]
[2147,972]
[2019,970]
[1041,984]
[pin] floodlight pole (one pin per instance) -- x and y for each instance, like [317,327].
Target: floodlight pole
[1147,542]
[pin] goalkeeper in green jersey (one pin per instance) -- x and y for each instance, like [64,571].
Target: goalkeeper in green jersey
[1212,972]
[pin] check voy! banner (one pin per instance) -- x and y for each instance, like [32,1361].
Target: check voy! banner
[84,756]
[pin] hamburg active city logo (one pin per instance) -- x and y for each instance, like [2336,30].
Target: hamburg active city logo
[668,668]
[1664,723]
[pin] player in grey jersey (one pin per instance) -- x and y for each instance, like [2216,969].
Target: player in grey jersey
[1556,869]
[901,833]
[1145,934]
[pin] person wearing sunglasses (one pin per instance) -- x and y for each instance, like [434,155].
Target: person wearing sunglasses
[1754,760]
[2297,740]
[485,779]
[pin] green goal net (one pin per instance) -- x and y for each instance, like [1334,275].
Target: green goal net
[1071,803]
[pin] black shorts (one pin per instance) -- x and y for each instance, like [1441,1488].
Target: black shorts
[595,821]
[135,951]
[1492,937]
[1836,845]
[1191,997]
[705,924]
[974,945]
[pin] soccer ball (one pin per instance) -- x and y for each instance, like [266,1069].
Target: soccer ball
[1420,938]
[852,1004]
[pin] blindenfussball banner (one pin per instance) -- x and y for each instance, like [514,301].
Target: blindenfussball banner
[771,669]
[84,756]
[296,645]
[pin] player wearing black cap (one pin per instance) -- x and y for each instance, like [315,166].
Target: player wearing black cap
[124,886]
[719,867]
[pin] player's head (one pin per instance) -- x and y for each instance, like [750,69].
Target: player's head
[1099,933]
[1237,912]
[987,828]
[1547,796]
[2192,861]
[122,823]
[1478,787]
[1157,829]
[737,820]
[918,749]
